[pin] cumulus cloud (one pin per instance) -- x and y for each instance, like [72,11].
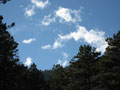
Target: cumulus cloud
[30,10]
[28,61]
[46,47]
[64,15]
[92,37]
[64,61]
[68,15]
[28,41]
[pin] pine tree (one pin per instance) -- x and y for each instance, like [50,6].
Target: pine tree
[21,77]
[83,69]
[35,79]
[58,79]
[110,65]
[8,58]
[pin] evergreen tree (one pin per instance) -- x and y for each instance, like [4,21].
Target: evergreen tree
[83,69]
[58,79]
[110,65]
[35,79]
[21,77]
[13,74]
[8,58]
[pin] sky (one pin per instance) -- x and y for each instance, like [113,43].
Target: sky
[50,32]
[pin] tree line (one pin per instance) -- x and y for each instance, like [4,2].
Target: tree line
[87,70]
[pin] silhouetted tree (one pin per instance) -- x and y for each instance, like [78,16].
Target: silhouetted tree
[13,74]
[21,77]
[83,69]
[58,79]
[35,79]
[47,74]
[8,58]
[109,76]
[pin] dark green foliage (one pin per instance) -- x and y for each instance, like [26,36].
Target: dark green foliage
[47,74]
[58,79]
[110,65]
[30,78]
[83,68]
[35,79]
[8,47]
[8,58]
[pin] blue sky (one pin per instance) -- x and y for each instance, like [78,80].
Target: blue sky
[50,31]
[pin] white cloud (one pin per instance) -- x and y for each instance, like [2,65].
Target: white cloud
[28,61]
[46,47]
[68,15]
[63,15]
[64,61]
[47,20]
[57,44]
[40,4]
[29,40]
[29,11]
[92,37]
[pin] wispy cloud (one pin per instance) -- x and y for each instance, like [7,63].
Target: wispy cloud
[46,47]
[28,61]
[64,61]
[30,10]
[64,15]
[40,4]
[57,44]
[92,37]
[28,41]
[47,20]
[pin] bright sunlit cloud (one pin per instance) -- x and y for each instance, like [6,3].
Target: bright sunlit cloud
[46,47]
[28,41]
[92,37]
[64,15]
[28,61]
[68,15]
